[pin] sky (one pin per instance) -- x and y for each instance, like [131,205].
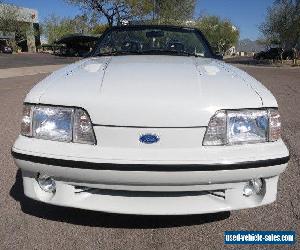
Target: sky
[245,14]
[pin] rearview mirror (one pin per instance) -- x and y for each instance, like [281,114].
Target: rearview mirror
[155,33]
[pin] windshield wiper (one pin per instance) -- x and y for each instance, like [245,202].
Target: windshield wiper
[169,52]
[151,52]
[184,53]
[118,53]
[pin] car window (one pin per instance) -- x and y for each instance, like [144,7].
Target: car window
[3,43]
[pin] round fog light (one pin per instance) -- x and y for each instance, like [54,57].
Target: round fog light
[253,186]
[46,183]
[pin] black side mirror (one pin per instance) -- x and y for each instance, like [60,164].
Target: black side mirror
[218,56]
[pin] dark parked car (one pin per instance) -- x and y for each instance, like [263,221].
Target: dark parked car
[76,45]
[272,54]
[288,55]
[4,48]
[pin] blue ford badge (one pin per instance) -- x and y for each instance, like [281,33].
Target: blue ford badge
[149,138]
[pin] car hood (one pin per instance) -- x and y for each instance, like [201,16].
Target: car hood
[151,91]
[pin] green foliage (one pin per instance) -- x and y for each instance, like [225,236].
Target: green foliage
[113,10]
[140,9]
[98,29]
[10,24]
[221,34]
[8,18]
[56,27]
[156,11]
[172,11]
[282,24]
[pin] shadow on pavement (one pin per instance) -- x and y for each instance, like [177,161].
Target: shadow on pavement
[107,220]
[33,59]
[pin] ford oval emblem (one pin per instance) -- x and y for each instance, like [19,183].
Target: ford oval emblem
[149,138]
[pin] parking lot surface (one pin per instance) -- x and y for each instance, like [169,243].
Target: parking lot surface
[27,224]
[36,59]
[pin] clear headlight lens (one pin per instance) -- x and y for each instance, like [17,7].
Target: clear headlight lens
[243,126]
[248,126]
[52,123]
[57,124]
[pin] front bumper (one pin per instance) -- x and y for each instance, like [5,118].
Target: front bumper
[223,197]
[157,186]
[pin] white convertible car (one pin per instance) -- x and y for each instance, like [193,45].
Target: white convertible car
[151,123]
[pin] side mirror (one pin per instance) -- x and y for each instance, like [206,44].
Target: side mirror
[219,56]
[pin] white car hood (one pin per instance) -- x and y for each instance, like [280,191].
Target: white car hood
[151,91]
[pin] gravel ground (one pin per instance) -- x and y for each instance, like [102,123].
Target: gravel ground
[26,224]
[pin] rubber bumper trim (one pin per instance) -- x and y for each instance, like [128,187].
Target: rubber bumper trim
[150,167]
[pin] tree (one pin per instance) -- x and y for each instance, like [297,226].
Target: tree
[8,18]
[113,10]
[282,23]
[81,24]
[98,29]
[221,34]
[157,11]
[174,11]
[56,27]
[11,24]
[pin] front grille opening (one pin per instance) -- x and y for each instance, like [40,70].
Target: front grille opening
[128,193]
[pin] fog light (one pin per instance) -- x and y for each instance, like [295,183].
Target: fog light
[253,186]
[46,183]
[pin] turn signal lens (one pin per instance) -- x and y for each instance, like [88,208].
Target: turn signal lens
[216,131]
[26,125]
[83,130]
[274,125]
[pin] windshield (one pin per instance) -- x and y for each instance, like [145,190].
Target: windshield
[155,41]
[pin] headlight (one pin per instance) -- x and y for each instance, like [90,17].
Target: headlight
[243,126]
[52,123]
[57,124]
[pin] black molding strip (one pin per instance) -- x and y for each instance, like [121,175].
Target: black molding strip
[150,167]
[146,127]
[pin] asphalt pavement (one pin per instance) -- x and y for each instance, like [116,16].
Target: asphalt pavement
[34,59]
[27,224]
